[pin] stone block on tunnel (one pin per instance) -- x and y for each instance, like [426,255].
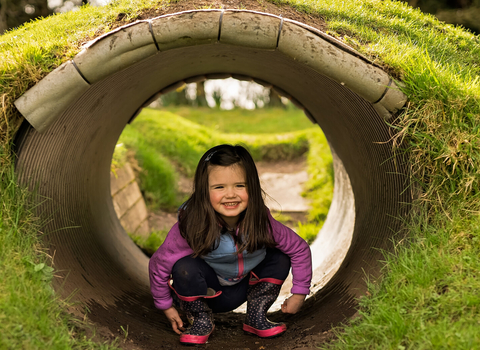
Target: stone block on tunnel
[250,29]
[186,29]
[115,51]
[310,49]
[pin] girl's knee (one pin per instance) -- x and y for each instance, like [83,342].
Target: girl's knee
[281,260]
[184,269]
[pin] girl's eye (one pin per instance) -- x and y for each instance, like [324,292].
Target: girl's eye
[240,185]
[218,187]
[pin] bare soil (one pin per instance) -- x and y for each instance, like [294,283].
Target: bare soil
[252,5]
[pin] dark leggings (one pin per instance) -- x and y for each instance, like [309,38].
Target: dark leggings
[192,277]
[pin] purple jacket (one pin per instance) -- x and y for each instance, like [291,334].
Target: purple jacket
[176,247]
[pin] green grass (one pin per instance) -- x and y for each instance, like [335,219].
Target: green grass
[319,187]
[31,315]
[238,120]
[428,298]
[150,244]
[32,51]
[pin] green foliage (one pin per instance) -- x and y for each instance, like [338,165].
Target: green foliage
[309,230]
[150,244]
[319,187]
[157,177]
[119,158]
[428,297]
[238,120]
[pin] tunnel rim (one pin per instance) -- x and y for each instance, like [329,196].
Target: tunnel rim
[51,89]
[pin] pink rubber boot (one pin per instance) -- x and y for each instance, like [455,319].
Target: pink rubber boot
[261,294]
[202,325]
[199,315]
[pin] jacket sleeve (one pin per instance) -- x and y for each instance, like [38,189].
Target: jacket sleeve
[161,263]
[299,252]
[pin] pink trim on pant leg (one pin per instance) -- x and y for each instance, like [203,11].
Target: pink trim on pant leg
[254,279]
[193,298]
[268,333]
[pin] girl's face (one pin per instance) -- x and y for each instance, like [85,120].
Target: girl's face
[228,191]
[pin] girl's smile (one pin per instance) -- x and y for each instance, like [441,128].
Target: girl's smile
[228,192]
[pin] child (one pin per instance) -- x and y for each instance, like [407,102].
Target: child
[226,249]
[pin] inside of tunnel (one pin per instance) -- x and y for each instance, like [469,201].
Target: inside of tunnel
[65,154]
[147,204]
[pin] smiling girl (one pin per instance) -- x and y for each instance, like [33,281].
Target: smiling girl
[226,249]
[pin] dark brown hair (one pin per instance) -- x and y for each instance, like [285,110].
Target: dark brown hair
[201,225]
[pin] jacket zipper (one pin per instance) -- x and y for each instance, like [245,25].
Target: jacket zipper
[241,267]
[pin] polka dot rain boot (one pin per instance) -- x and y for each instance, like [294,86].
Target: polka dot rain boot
[199,315]
[261,294]
[202,325]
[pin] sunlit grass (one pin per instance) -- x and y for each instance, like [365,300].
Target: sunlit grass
[239,120]
[150,244]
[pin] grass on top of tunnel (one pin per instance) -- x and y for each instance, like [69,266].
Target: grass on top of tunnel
[29,53]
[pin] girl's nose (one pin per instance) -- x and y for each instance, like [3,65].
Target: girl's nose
[230,193]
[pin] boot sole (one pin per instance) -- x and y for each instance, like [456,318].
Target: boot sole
[188,339]
[267,333]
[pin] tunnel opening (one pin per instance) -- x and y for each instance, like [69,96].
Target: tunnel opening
[150,181]
[66,149]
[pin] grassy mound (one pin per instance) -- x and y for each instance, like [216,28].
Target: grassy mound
[428,296]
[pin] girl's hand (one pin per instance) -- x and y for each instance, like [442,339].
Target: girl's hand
[293,304]
[175,320]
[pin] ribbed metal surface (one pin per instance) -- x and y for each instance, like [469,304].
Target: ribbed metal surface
[69,167]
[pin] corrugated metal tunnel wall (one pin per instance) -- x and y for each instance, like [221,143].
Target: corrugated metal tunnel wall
[77,113]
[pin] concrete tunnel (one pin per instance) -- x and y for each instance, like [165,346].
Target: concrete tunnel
[76,114]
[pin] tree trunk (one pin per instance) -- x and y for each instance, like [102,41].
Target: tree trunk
[13,13]
[3,16]
[274,100]
[201,99]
